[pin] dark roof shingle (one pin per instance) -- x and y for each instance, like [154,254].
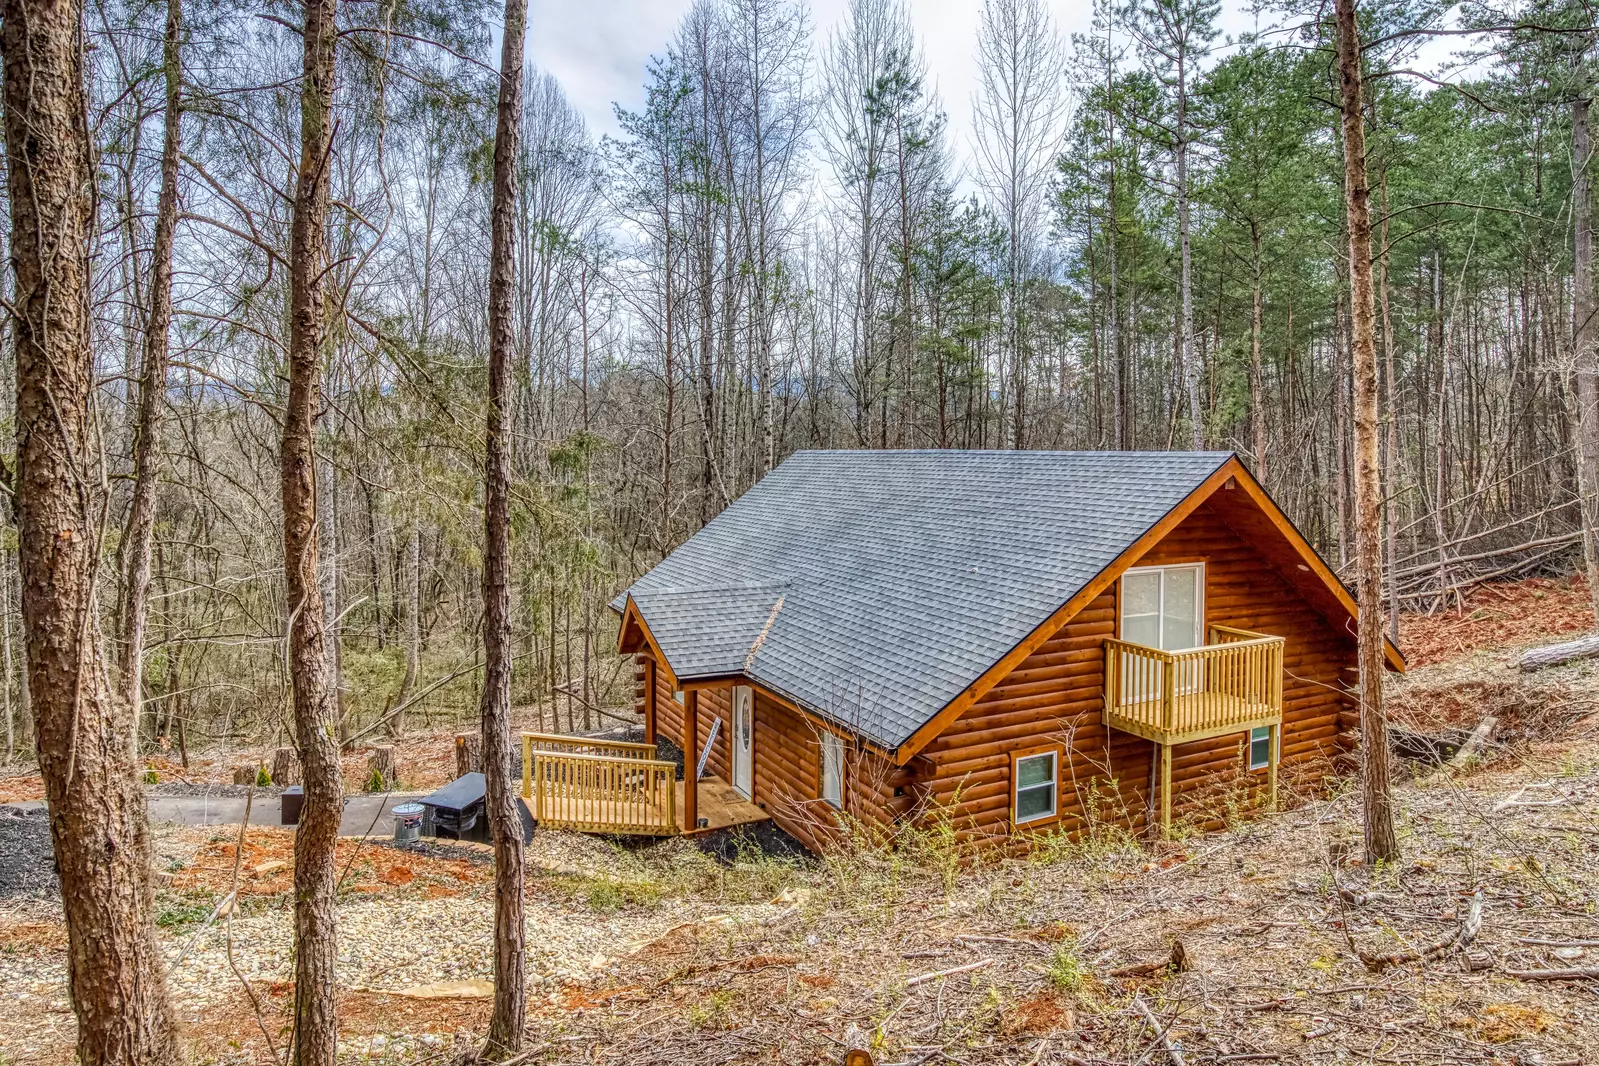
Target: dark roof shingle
[874,586]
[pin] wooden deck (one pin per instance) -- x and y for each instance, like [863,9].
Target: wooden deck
[721,807]
[1231,685]
[611,788]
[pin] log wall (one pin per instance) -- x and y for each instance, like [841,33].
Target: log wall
[1054,697]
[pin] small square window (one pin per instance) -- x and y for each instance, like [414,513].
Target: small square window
[677,697]
[1260,747]
[833,769]
[1035,787]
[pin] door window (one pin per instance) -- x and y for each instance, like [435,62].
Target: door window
[1163,606]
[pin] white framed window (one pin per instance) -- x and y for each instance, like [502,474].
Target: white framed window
[1164,606]
[1260,747]
[1033,786]
[833,769]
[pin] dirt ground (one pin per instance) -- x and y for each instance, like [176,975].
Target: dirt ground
[1291,948]
[1496,616]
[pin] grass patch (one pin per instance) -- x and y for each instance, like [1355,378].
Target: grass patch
[177,914]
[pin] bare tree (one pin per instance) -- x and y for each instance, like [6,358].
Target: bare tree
[147,448]
[1019,115]
[315,710]
[1173,36]
[98,825]
[1381,843]
[510,947]
[1584,349]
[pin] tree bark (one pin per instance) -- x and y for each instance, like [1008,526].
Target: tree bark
[1585,356]
[315,718]
[413,626]
[152,388]
[115,973]
[510,947]
[1381,843]
[1257,385]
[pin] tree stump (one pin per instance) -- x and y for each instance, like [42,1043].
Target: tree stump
[244,775]
[382,772]
[285,767]
[468,754]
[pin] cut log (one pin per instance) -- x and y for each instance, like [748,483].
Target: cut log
[285,767]
[468,754]
[1475,743]
[1555,654]
[382,772]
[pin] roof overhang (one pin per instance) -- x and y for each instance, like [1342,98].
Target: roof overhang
[1305,571]
[634,637]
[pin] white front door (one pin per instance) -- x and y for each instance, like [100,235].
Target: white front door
[744,740]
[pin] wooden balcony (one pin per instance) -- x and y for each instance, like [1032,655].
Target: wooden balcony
[603,786]
[1231,685]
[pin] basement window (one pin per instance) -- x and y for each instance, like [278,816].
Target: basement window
[1260,747]
[833,769]
[1034,787]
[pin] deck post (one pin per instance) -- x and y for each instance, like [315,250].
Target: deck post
[691,760]
[1275,732]
[649,700]
[1165,790]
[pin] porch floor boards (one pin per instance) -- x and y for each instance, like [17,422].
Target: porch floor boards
[721,807]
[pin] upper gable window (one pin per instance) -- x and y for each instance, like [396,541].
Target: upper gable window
[1164,606]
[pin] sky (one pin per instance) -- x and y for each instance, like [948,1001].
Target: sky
[599,49]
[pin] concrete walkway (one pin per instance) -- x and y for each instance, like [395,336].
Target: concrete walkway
[363,812]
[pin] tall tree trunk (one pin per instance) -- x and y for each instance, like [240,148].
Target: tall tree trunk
[115,973]
[1390,456]
[152,388]
[315,711]
[1585,355]
[413,625]
[1381,843]
[510,947]
[1189,358]
[1257,387]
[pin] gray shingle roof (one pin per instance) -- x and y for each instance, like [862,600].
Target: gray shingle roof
[886,582]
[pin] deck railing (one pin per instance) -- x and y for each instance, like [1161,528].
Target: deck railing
[560,742]
[1167,696]
[601,793]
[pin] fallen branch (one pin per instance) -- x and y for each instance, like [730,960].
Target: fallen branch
[1162,1032]
[968,968]
[1462,936]
[1578,973]
[1555,654]
[1176,962]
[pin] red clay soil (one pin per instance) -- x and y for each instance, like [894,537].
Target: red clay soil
[15,788]
[267,868]
[1499,615]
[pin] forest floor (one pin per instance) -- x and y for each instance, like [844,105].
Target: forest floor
[663,954]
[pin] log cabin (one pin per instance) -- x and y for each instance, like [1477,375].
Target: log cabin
[1015,642]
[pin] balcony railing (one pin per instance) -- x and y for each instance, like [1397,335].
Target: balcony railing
[1232,684]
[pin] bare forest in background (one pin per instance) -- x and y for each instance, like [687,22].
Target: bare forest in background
[1139,245]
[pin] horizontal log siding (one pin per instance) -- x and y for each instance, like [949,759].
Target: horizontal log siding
[1055,696]
[714,703]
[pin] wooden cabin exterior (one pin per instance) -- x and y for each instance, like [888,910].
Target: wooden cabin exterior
[1212,655]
